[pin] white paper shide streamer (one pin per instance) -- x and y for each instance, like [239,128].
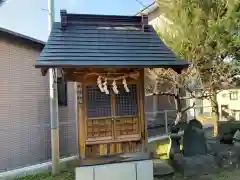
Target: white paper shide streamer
[103,86]
[99,82]
[125,85]
[114,87]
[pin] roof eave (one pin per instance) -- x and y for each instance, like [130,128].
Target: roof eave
[7,31]
[71,65]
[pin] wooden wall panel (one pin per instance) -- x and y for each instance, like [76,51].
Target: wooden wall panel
[112,148]
[95,150]
[126,126]
[97,128]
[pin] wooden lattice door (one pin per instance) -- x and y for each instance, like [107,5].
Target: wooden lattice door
[112,119]
[99,115]
[126,117]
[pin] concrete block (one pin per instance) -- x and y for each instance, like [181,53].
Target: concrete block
[118,171]
[84,173]
[144,170]
[135,170]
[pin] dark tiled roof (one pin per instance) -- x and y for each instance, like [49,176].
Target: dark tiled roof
[105,41]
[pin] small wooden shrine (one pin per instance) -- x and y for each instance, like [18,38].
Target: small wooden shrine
[106,56]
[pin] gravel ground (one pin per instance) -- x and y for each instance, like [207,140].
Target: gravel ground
[220,175]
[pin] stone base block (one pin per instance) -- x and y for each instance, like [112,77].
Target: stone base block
[196,165]
[135,170]
[162,167]
[230,159]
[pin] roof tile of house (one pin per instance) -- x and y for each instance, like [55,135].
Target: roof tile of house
[6,32]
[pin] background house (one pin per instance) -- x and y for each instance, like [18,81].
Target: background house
[228,103]
[24,106]
[155,16]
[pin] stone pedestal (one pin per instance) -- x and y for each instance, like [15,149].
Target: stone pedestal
[195,165]
[226,156]
[174,145]
[162,168]
[134,170]
[236,139]
[228,159]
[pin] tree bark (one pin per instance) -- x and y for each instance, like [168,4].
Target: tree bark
[215,113]
[179,113]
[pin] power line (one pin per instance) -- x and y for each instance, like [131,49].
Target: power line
[141,3]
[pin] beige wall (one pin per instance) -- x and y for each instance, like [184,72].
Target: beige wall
[233,105]
[223,98]
[24,109]
[156,18]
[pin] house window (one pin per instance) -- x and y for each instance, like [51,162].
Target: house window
[62,92]
[225,110]
[234,95]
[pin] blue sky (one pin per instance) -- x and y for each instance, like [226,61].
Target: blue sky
[28,17]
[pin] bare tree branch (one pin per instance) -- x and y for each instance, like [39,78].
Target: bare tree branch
[164,94]
[192,95]
[189,107]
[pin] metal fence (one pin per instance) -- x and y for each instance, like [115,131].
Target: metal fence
[160,121]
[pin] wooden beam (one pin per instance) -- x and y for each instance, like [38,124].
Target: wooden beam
[142,112]
[179,69]
[81,120]
[90,76]
[44,71]
[93,81]
[100,70]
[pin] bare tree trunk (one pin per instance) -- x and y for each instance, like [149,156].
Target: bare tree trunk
[179,113]
[215,113]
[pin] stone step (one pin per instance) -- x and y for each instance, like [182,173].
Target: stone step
[161,167]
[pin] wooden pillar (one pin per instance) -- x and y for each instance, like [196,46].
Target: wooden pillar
[142,112]
[54,116]
[81,119]
[155,105]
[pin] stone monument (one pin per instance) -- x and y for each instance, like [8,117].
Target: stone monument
[195,159]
